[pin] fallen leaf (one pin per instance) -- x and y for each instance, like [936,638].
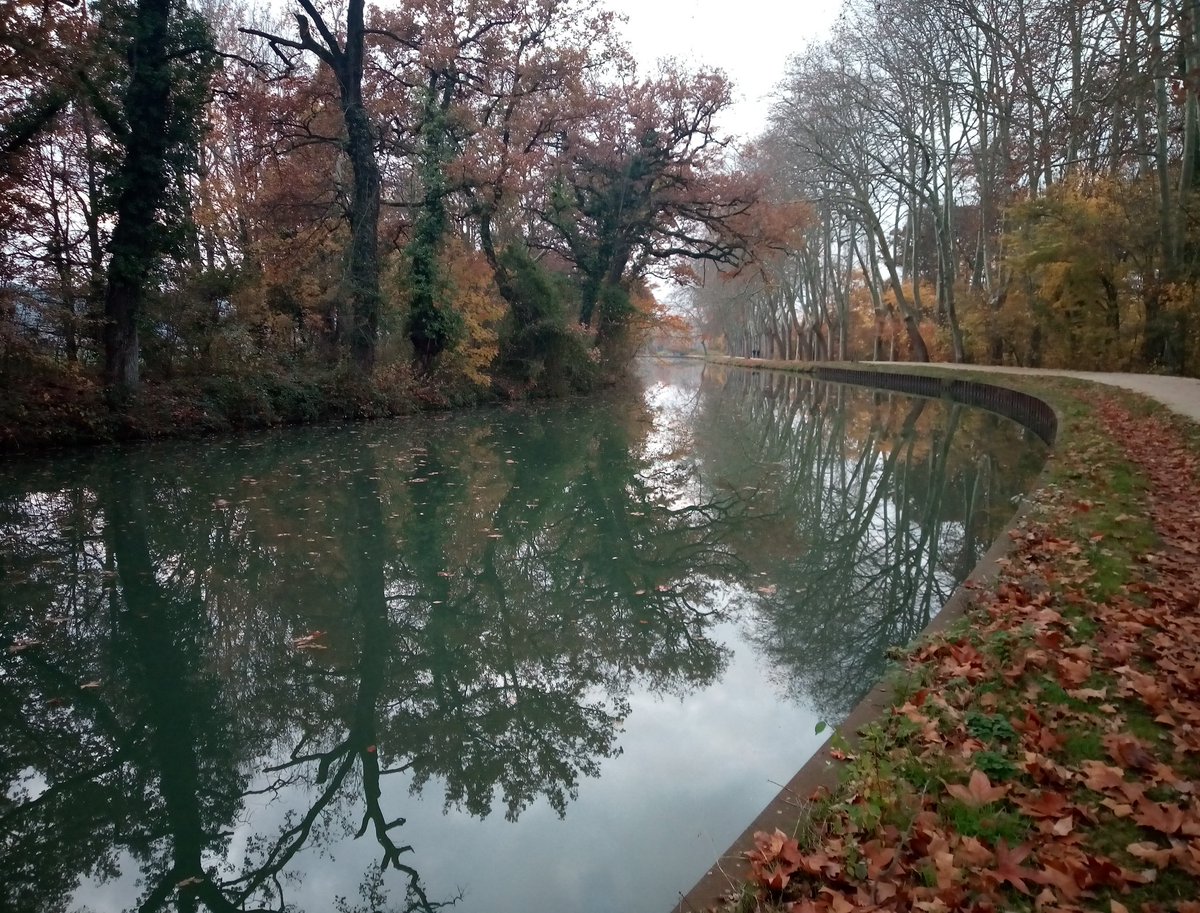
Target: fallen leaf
[978,791]
[1166,819]
[1008,867]
[1101,777]
[1150,852]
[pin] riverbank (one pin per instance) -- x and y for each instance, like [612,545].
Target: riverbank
[1042,751]
[65,407]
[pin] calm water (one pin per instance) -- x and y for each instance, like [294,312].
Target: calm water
[550,658]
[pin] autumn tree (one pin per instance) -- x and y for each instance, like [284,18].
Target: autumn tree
[923,135]
[641,181]
[343,51]
[138,73]
[44,51]
[474,97]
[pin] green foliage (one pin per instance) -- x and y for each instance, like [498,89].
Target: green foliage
[433,324]
[615,305]
[990,728]
[192,64]
[537,348]
[995,765]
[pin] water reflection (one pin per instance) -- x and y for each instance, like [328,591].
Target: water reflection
[462,616]
[873,508]
[222,659]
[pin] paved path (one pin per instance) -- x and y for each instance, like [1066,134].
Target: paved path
[1181,394]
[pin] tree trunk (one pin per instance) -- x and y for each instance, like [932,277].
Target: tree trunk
[948,272]
[920,352]
[871,276]
[346,62]
[137,240]
[363,260]
[1189,176]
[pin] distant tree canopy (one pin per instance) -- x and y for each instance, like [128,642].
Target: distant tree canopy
[989,180]
[202,189]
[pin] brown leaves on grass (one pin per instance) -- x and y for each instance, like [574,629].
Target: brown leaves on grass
[1008,868]
[1101,777]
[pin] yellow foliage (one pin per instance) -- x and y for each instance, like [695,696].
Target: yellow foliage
[1076,256]
[474,295]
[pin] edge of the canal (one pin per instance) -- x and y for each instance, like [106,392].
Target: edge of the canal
[822,769]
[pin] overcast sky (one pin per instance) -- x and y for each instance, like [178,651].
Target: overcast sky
[749,39]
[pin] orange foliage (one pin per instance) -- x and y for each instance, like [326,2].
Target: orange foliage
[474,294]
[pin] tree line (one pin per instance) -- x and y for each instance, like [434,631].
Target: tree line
[464,193]
[988,180]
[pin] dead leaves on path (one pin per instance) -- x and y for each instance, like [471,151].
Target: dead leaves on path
[1052,759]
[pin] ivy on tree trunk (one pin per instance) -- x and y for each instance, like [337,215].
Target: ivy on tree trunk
[142,181]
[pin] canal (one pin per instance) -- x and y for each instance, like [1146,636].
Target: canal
[547,657]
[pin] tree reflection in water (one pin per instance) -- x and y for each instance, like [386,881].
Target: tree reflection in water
[870,508]
[484,595]
[482,620]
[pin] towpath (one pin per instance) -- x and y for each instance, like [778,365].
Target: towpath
[1181,394]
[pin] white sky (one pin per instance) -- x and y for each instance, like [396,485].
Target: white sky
[750,40]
